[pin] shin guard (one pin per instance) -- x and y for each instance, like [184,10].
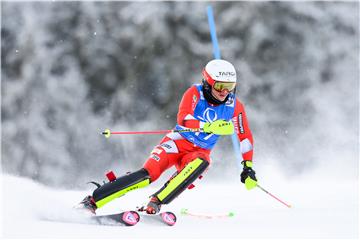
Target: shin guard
[181,181]
[111,190]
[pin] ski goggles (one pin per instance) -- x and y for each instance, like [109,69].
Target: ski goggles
[221,86]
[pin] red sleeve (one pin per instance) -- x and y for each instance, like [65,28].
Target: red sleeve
[243,131]
[187,106]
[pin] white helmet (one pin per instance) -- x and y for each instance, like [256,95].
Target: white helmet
[220,74]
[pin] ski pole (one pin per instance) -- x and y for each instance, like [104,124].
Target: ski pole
[107,133]
[288,205]
[185,211]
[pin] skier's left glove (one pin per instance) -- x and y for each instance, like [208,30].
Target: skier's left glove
[248,175]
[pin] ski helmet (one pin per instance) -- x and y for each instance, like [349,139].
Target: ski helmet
[220,75]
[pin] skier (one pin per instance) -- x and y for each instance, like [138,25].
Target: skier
[207,105]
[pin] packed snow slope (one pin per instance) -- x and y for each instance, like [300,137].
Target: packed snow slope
[322,208]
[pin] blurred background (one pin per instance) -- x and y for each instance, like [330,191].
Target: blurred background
[71,69]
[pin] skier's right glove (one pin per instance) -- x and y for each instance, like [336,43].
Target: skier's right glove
[248,175]
[219,127]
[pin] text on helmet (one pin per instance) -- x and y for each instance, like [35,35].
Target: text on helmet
[221,74]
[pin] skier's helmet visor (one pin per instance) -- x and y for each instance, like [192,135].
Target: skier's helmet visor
[220,86]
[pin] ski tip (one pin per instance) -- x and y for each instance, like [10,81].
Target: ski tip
[169,218]
[130,218]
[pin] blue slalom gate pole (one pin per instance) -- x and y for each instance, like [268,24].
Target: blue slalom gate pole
[216,49]
[216,52]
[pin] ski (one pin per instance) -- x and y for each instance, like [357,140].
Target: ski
[131,218]
[167,218]
[127,218]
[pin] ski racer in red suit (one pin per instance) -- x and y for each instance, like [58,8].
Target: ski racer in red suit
[211,106]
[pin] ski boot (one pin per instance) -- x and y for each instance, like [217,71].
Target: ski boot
[88,203]
[153,207]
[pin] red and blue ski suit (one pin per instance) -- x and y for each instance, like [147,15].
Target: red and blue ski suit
[178,149]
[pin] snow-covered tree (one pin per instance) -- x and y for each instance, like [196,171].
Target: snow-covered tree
[71,69]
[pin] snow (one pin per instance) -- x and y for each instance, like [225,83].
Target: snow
[322,208]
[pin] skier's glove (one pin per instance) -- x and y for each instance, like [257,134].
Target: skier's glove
[219,127]
[248,175]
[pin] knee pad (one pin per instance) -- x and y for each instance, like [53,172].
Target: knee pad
[120,186]
[182,180]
